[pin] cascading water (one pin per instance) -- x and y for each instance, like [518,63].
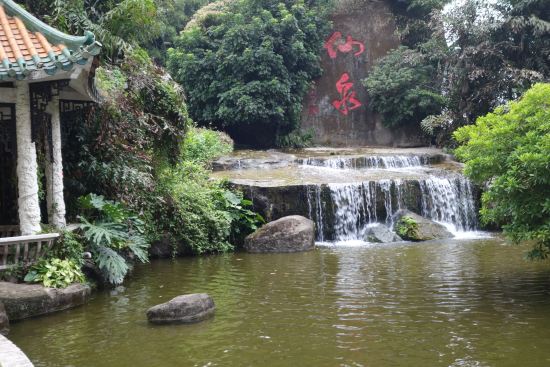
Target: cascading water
[448,200]
[315,208]
[374,162]
[347,193]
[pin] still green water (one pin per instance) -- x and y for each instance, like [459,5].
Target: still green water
[457,303]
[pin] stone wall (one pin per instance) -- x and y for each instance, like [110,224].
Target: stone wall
[337,106]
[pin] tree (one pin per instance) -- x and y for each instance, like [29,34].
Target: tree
[509,152]
[402,88]
[246,65]
[478,54]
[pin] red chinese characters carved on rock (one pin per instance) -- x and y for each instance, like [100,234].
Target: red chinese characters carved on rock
[349,101]
[336,43]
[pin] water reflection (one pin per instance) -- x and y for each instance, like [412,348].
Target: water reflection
[457,303]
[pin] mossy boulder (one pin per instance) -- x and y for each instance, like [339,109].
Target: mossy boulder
[413,227]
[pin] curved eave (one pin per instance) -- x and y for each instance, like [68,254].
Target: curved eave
[62,63]
[53,35]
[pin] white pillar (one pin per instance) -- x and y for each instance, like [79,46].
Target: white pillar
[54,169]
[27,175]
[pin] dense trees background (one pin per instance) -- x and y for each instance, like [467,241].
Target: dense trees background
[479,54]
[247,65]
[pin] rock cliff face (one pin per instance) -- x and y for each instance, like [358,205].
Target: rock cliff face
[337,106]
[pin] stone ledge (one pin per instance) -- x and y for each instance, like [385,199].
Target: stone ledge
[11,355]
[28,300]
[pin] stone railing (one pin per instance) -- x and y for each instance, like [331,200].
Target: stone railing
[24,249]
[9,231]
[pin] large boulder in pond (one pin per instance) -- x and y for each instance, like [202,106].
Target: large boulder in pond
[289,234]
[381,234]
[413,227]
[186,309]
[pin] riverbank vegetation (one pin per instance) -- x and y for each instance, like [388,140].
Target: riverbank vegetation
[508,151]
[136,168]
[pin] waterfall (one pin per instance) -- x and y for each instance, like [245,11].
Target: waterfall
[315,207]
[449,201]
[373,162]
[444,199]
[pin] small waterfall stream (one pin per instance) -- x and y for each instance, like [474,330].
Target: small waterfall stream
[356,206]
[373,162]
[446,200]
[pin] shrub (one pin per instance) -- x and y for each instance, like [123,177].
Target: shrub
[68,246]
[401,88]
[509,152]
[112,232]
[204,145]
[202,215]
[55,273]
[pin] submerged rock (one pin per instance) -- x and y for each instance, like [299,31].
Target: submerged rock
[186,309]
[28,300]
[419,228]
[289,234]
[381,234]
[4,321]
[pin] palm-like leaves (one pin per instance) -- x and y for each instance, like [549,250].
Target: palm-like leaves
[112,229]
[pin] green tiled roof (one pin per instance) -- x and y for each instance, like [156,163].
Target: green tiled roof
[28,44]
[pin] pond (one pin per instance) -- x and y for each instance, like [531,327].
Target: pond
[441,303]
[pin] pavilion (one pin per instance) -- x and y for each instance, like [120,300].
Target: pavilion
[42,72]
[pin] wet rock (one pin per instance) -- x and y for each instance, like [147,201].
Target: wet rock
[4,320]
[381,234]
[163,248]
[289,234]
[186,309]
[253,159]
[28,300]
[423,229]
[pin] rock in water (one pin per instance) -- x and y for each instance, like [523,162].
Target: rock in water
[381,234]
[424,230]
[4,321]
[184,309]
[289,234]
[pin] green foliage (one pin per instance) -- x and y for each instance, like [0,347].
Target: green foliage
[401,88]
[203,145]
[406,227]
[296,139]
[237,209]
[202,215]
[246,65]
[68,246]
[509,151]
[111,231]
[114,147]
[55,273]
